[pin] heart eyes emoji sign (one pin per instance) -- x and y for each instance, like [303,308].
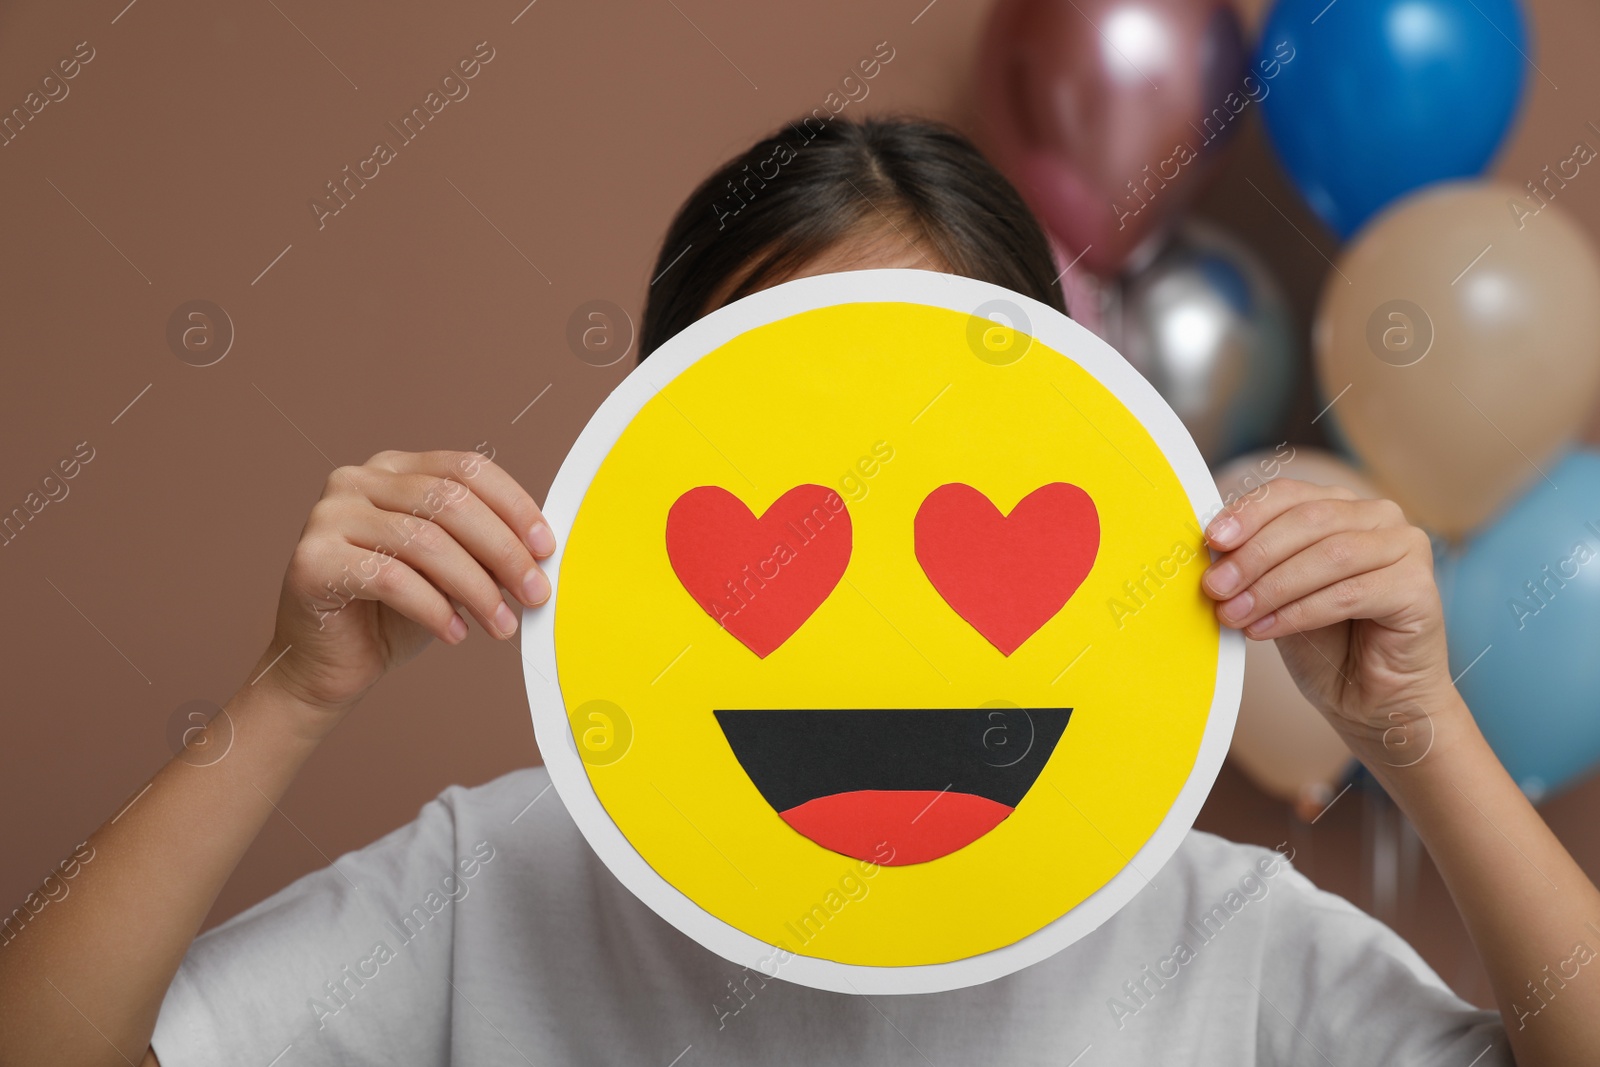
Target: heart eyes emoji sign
[877,658]
[1007,577]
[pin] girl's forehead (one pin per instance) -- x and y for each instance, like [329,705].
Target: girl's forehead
[881,248]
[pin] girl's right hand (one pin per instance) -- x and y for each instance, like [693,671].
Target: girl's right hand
[388,554]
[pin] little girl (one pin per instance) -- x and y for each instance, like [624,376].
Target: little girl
[487,932]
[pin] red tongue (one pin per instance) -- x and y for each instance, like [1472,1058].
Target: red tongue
[917,824]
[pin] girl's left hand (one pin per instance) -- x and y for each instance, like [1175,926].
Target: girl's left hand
[1346,587]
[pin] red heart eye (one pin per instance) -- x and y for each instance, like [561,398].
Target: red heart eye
[761,579]
[1007,575]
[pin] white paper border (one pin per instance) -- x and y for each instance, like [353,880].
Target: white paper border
[554,733]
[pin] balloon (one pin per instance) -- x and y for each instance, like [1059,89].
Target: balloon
[1281,742]
[1252,13]
[1461,349]
[1101,111]
[1085,294]
[1379,97]
[1522,608]
[1208,326]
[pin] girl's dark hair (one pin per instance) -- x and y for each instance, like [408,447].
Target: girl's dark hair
[810,184]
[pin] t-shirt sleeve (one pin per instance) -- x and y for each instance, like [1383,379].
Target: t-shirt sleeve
[348,965]
[1339,986]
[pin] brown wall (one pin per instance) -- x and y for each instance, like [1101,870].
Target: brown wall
[181,164]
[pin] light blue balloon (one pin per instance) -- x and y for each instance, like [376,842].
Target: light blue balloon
[1371,99]
[1527,590]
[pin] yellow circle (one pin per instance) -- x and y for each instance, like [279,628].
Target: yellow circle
[885,403]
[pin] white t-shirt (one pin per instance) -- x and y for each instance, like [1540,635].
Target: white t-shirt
[487,932]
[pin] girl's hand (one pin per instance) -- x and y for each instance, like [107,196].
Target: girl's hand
[1346,587]
[390,550]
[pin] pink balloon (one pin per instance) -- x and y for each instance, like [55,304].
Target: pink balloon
[1084,293]
[1107,113]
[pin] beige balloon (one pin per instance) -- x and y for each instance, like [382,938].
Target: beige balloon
[1459,339]
[1281,742]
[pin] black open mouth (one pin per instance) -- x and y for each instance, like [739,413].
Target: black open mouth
[894,785]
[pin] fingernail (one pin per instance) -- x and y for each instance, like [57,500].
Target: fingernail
[506,620]
[457,628]
[1224,578]
[535,587]
[1262,624]
[1239,606]
[541,539]
[1224,529]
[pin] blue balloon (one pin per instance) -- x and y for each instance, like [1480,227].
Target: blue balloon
[1366,100]
[1524,595]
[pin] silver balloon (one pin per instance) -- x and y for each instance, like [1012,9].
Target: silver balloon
[1209,327]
